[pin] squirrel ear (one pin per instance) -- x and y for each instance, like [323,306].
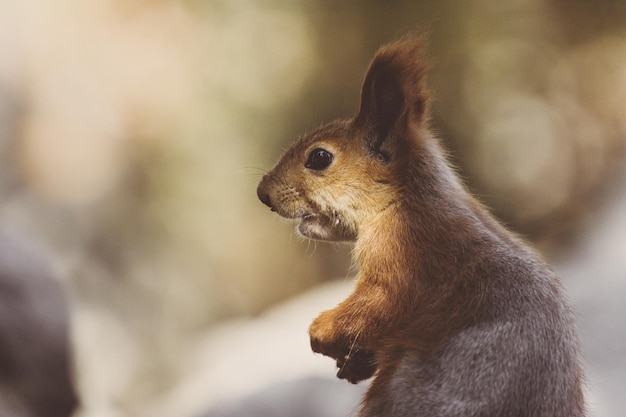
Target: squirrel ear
[393,90]
[382,103]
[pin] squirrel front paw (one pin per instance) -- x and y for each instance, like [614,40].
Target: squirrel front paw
[357,366]
[330,339]
[325,338]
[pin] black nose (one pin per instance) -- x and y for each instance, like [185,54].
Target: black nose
[264,197]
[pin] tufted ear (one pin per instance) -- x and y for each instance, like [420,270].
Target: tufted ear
[393,94]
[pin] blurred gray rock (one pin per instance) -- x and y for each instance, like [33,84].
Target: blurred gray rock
[595,277]
[306,397]
[35,371]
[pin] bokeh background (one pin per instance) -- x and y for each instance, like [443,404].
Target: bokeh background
[133,134]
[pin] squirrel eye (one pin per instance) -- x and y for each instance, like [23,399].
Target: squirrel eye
[319,159]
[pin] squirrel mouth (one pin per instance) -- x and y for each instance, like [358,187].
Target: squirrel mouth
[308,216]
[312,224]
[323,227]
[311,218]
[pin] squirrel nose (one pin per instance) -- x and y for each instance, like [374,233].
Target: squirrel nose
[263,196]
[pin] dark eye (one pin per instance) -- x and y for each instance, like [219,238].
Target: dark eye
[319,159]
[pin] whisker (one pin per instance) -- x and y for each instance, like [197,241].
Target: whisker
[356,337]
[350,351]
[256,172]
[314,242]
[252,167]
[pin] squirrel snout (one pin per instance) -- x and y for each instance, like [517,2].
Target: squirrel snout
[263,195]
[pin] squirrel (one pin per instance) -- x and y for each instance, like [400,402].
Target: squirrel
[452,313]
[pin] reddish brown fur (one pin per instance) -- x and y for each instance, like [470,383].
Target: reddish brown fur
[440,281]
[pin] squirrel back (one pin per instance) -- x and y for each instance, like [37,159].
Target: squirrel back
[452,313]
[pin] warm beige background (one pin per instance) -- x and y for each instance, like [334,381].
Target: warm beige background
[133,134]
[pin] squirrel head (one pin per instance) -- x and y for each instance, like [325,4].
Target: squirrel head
[336,178]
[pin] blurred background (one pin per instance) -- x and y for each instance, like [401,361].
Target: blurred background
[133,134]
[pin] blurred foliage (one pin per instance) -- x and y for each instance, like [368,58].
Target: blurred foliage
[133,134]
